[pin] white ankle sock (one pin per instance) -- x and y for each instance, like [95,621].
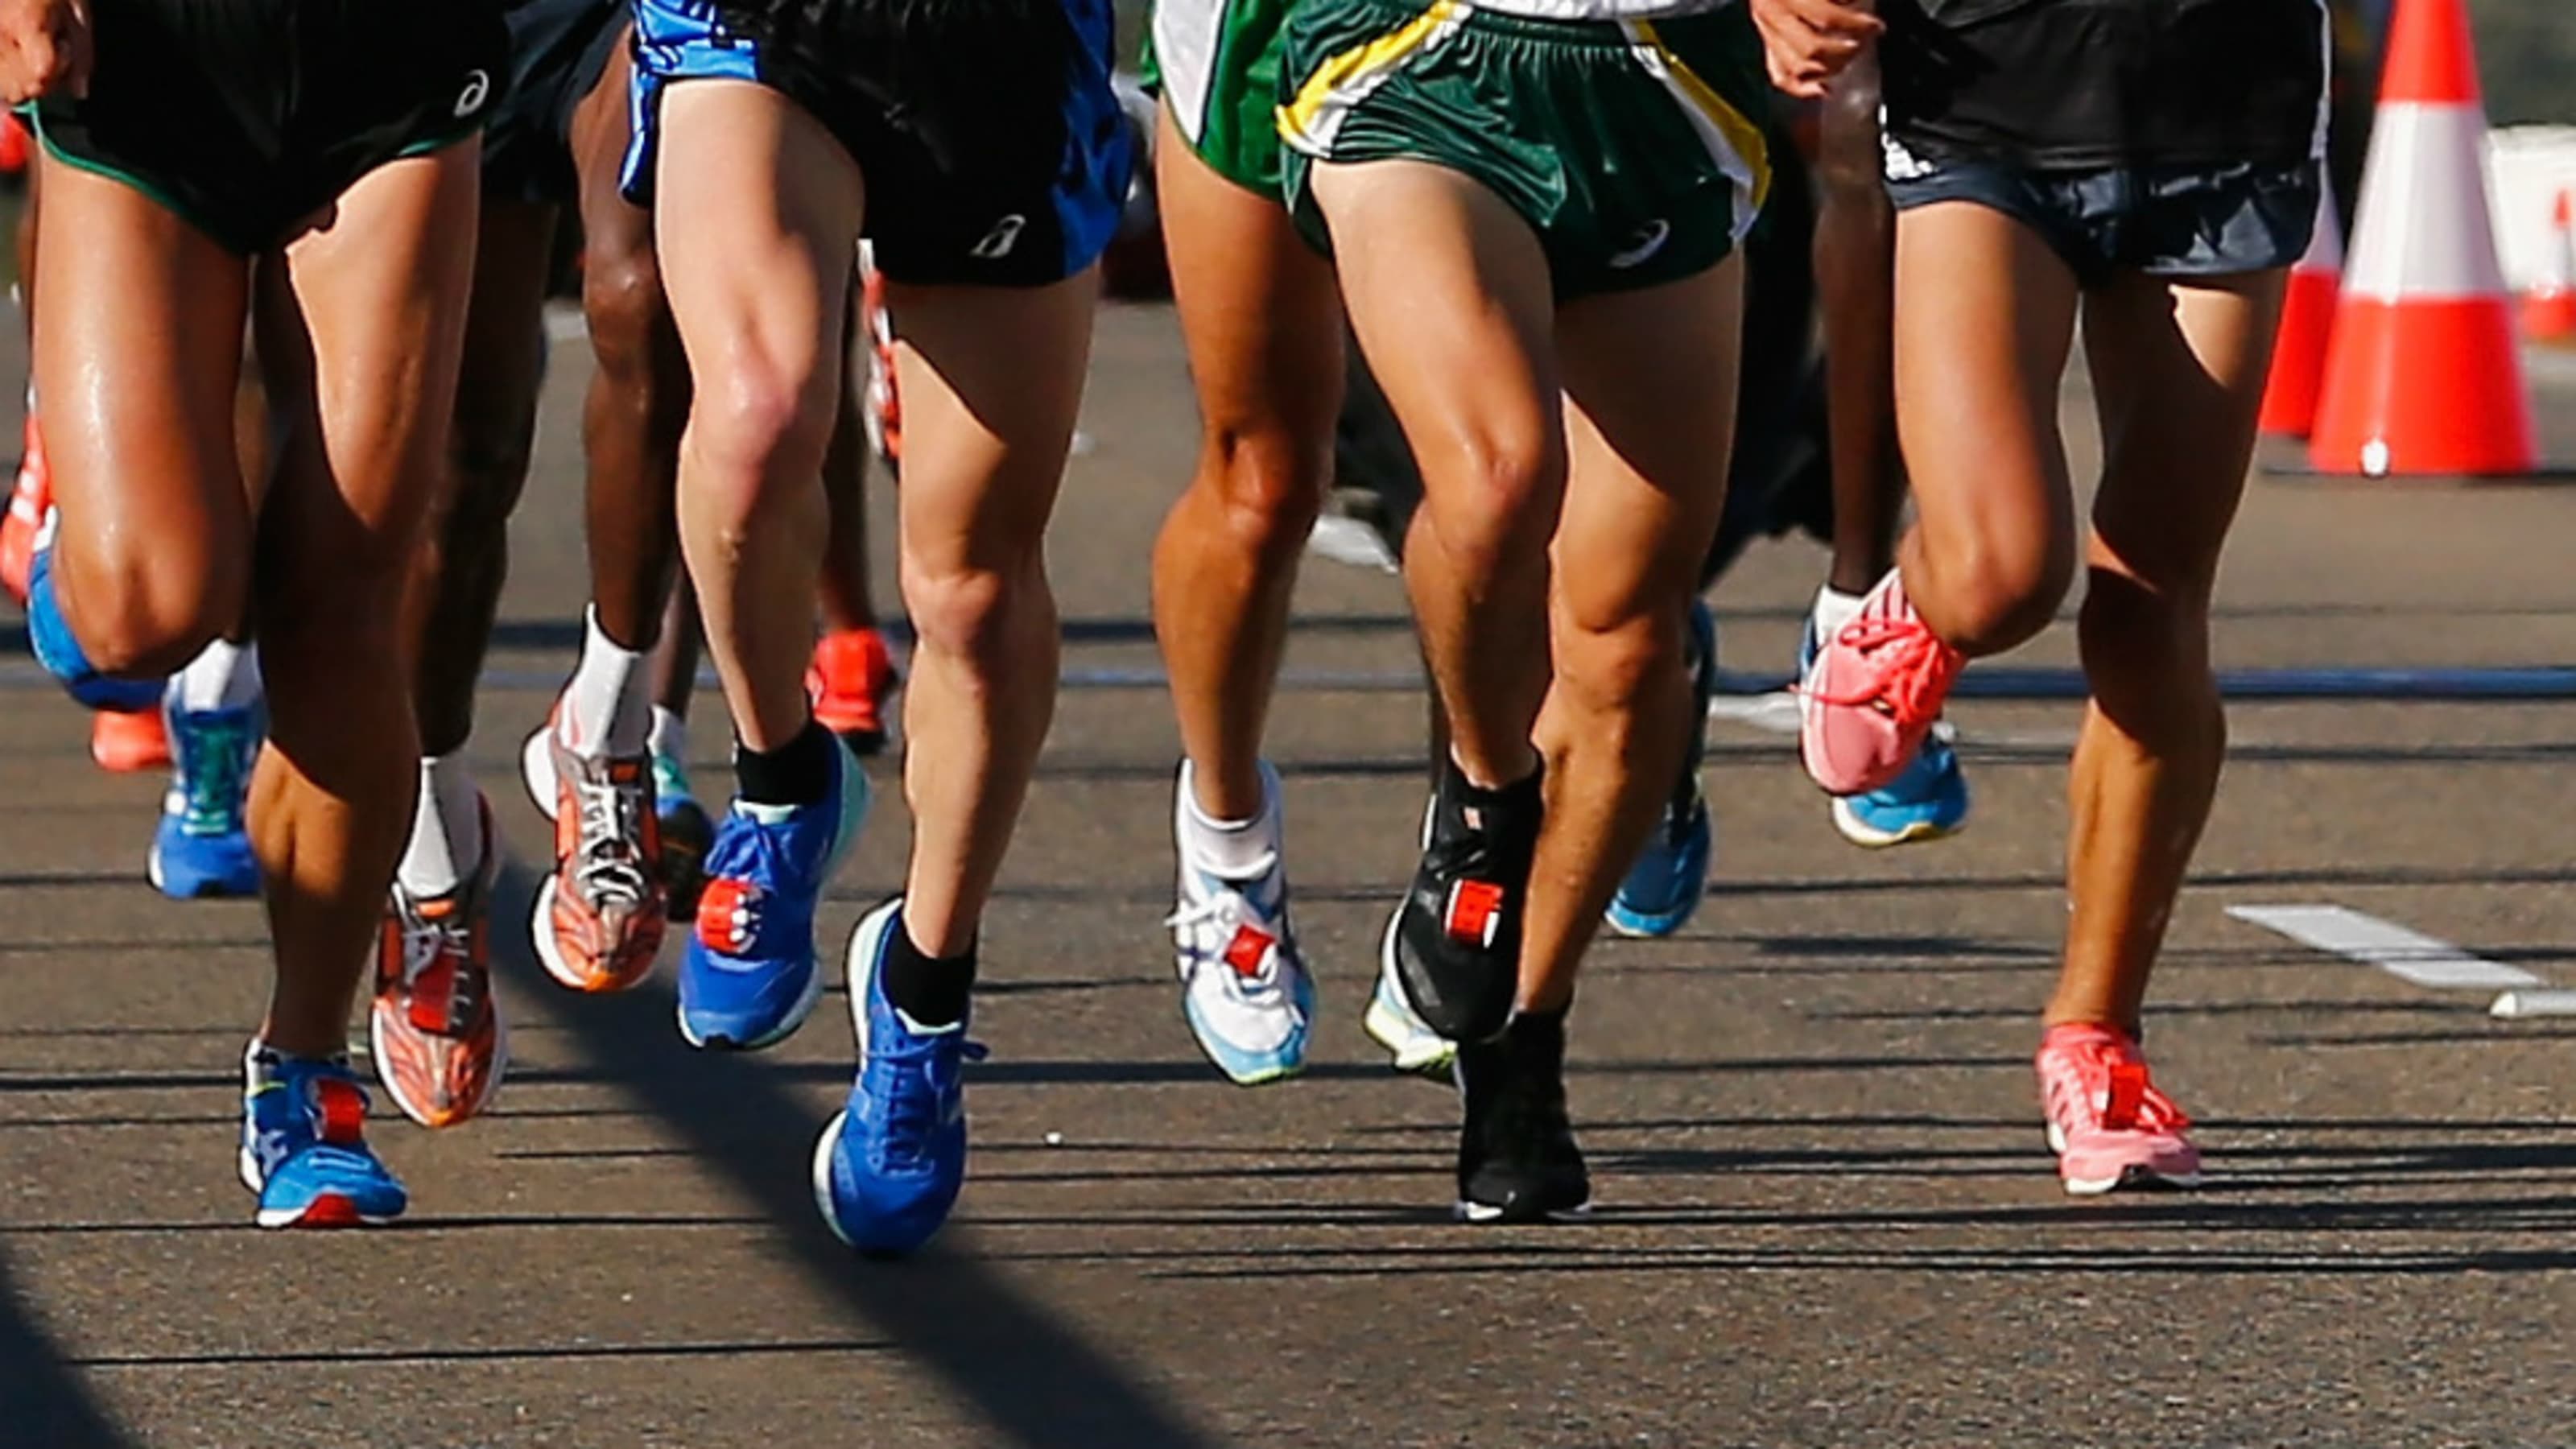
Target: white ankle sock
[1834,609]
[604,711]
[224,675]
[1233,849]
[670,735]
[446,830]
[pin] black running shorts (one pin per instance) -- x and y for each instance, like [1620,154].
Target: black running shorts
[558,51]
[994,150]
[246,117]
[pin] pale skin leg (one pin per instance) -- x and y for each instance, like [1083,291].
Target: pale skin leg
[991,380]
[1449,296]
[1261,316]
[361,327]
[2178,373]
[1650,385]
[758,277]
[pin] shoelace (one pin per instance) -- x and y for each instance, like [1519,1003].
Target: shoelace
[1222,911]
[918,1076]
[428,941]
[217,764]
[610,869]
[2119,1093]
[1908,665]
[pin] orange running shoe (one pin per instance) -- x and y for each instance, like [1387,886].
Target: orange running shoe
[851,680]
[126,743]
[1873,693]
[882,412]
[599,916]
[440,1045]
[28,501]
[2107,1123]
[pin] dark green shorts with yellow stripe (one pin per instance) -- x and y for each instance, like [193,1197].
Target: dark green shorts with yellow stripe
[1628,146]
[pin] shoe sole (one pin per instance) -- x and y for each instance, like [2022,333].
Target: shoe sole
[1480,1214]
[2134,1177]
[537,769]
[541,933]
[491,1087]
[1868,837]
[787,1026]
[1253,1077]
[1402,1041]
[821,1176]
[207,889]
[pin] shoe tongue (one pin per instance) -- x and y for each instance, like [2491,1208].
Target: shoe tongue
[918,1029]
[764,814]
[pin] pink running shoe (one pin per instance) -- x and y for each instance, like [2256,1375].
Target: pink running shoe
[1872,693]
[2107,1123]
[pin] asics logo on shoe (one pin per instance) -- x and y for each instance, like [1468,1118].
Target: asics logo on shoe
[478,89]
[1641,248]
[729,916]
[998,242]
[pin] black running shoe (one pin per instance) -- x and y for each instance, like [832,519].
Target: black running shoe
[1454,944]
[1517,1162]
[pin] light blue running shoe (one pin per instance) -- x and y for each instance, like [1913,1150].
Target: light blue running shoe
[304,1147]
[888,1167]
[202,846]
[1664,886]
[50,637]
[1927,802]
[748,978]
[1415,1049]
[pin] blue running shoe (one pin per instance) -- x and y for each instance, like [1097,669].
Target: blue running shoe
[202,847]
[50,636]
[748,977]
[1663,888]
[887,1169]
[1927,802]
[304,1146]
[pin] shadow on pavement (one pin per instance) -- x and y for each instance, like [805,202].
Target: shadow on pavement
[41,1395]
[1032,1376]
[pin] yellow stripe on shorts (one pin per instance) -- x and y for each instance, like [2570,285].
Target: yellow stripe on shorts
[1341,83]
[1734,142]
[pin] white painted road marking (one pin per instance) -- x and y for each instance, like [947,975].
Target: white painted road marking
[2404,954]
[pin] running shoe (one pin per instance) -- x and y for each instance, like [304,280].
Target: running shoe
[29,498]
[687,834]
[1926,802]
[127,744]
[1663,888]
[2108,1124]
[1454,944]
[1417,1049]
[850,681]
[304,1147]
[599,916]
[748,978]
[1872,693]
[1244,986]
[436,1032]
[1517,1160]
[887,1167]
[202,846]
[50,639]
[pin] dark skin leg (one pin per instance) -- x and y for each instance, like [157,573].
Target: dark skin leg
[675,659]
[1855,260]
[639,395]
[465,550]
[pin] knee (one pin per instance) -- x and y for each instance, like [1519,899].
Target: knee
[1492,500]
[1998,593]
[1613,657]
[487,468]
[623,304]
[964,611]
[149,612]
[756,422]
[2145,649]
[1269,483]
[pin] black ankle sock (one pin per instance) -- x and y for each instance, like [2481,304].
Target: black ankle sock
[932,990]
[1504,806]
[798,772]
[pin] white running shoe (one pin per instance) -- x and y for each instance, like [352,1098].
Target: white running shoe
[1244,985]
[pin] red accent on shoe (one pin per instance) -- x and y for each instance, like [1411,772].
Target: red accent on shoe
[343,1110]
[1475,912]
[329,1210]
[1250,947]
[728,912]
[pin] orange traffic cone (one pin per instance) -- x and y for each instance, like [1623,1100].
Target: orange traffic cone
[2307,323]
[2549,308]
[2421,376]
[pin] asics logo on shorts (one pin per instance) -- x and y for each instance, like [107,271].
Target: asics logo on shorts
[998,242]
[478,89]
[1649,240]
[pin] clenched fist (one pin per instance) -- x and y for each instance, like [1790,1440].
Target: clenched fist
[1808,42]
[44,49]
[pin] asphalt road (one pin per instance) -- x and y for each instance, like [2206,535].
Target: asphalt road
[1825,1214]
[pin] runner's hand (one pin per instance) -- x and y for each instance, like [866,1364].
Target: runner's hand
[1808,42]
[44,49]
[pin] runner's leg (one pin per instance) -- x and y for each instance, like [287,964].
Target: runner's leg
[1855,257]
